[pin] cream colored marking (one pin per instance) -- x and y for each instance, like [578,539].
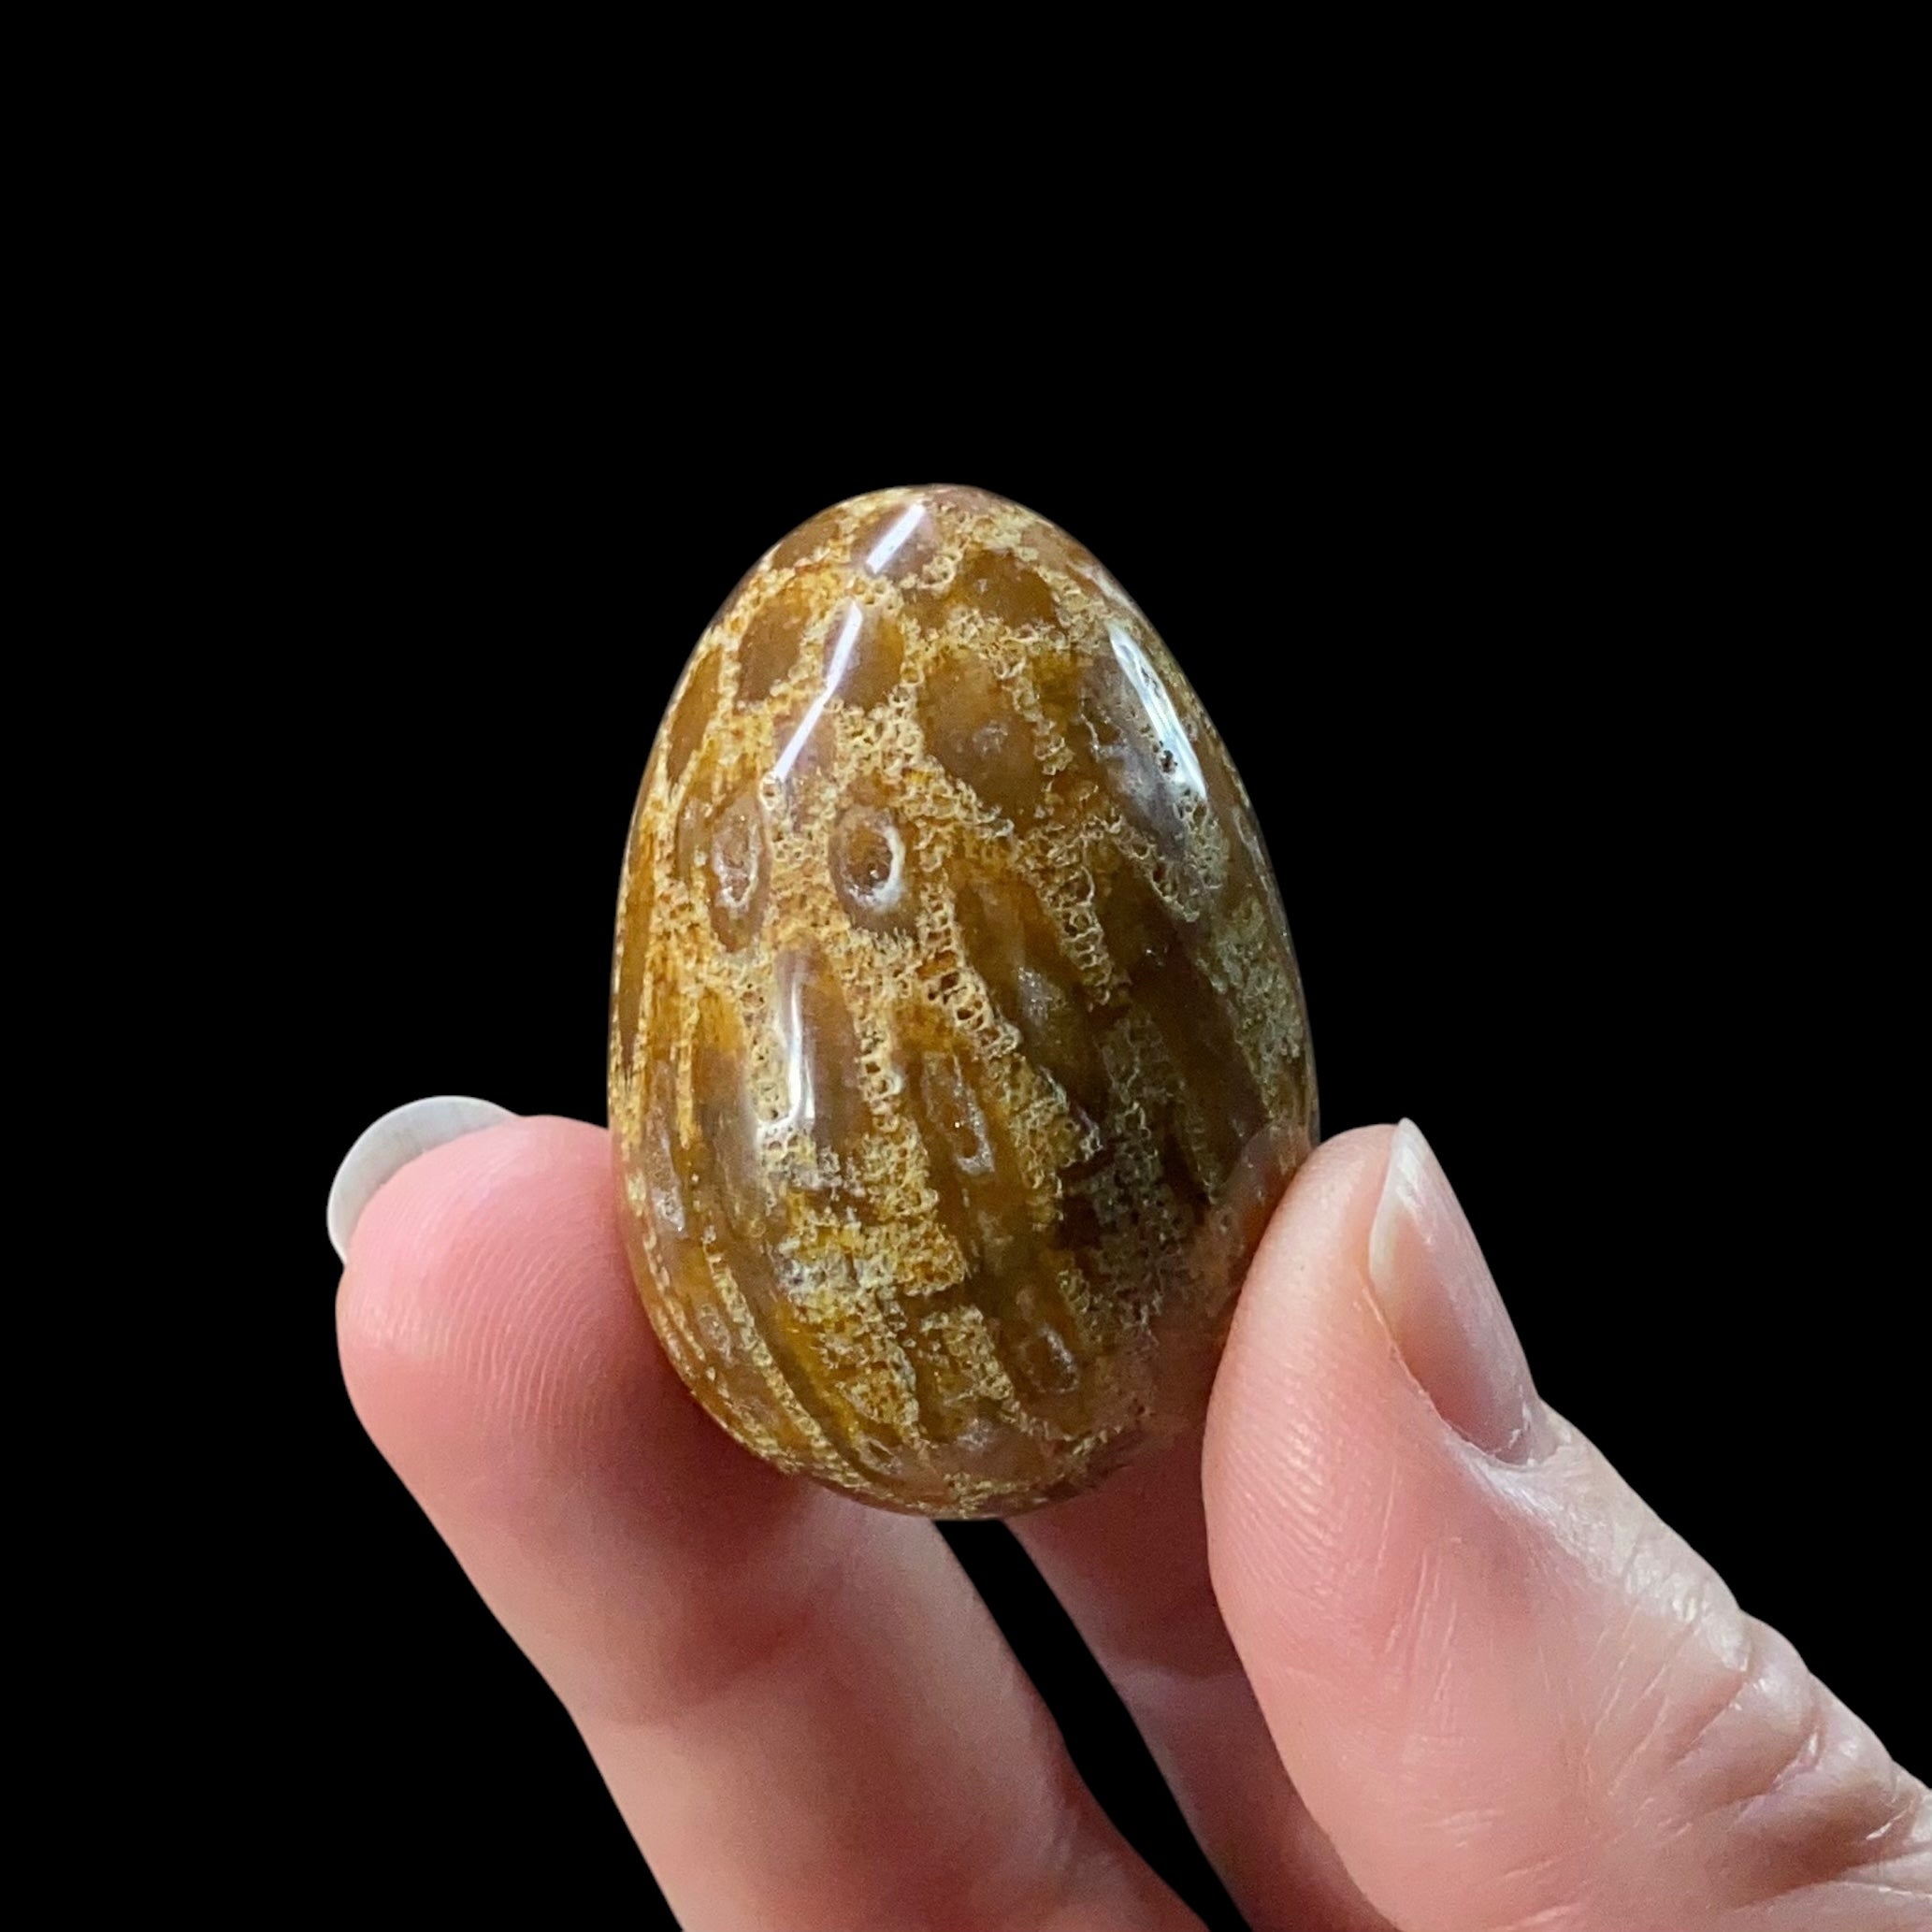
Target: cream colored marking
[762,1357]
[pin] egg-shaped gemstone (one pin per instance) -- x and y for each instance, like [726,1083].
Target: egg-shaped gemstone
[958,1049]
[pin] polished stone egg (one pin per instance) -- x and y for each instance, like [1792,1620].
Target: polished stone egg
[957,1049]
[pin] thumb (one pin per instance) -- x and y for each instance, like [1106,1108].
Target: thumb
[1510,1696]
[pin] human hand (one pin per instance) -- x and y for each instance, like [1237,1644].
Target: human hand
[1395,1633]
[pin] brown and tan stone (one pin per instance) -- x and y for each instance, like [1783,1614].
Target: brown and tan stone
[957,1049]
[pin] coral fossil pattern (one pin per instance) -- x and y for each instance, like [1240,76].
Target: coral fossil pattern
[958,1049]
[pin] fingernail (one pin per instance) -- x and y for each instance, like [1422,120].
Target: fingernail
[1441,1305]
[390,1143]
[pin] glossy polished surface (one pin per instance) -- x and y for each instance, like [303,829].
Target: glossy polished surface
[958,1051]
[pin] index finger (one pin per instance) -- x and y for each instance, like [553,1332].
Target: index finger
[801,1708]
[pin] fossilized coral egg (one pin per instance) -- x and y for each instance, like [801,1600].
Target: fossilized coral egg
[958,1051]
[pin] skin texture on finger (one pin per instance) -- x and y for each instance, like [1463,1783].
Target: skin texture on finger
[803,1710]
[1129,1564]
[1512,1696]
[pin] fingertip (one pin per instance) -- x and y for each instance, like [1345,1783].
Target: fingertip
[1296,1348]
[1482,1659]
[1329,1479]
[390,1142]
[487,1301]
[496,1350]
[435,1242]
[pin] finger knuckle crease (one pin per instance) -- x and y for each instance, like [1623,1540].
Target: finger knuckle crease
[1772,1779]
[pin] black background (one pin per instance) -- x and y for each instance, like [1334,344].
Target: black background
[1560,686]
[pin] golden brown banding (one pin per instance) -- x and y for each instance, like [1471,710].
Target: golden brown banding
[958,1048]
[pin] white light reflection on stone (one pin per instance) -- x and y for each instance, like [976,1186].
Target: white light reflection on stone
[1159,708]
[834,676]
[790,1025]
[893,541]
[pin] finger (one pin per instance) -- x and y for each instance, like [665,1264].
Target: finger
[801,1706]
[1508,1692]
[1130,1564]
